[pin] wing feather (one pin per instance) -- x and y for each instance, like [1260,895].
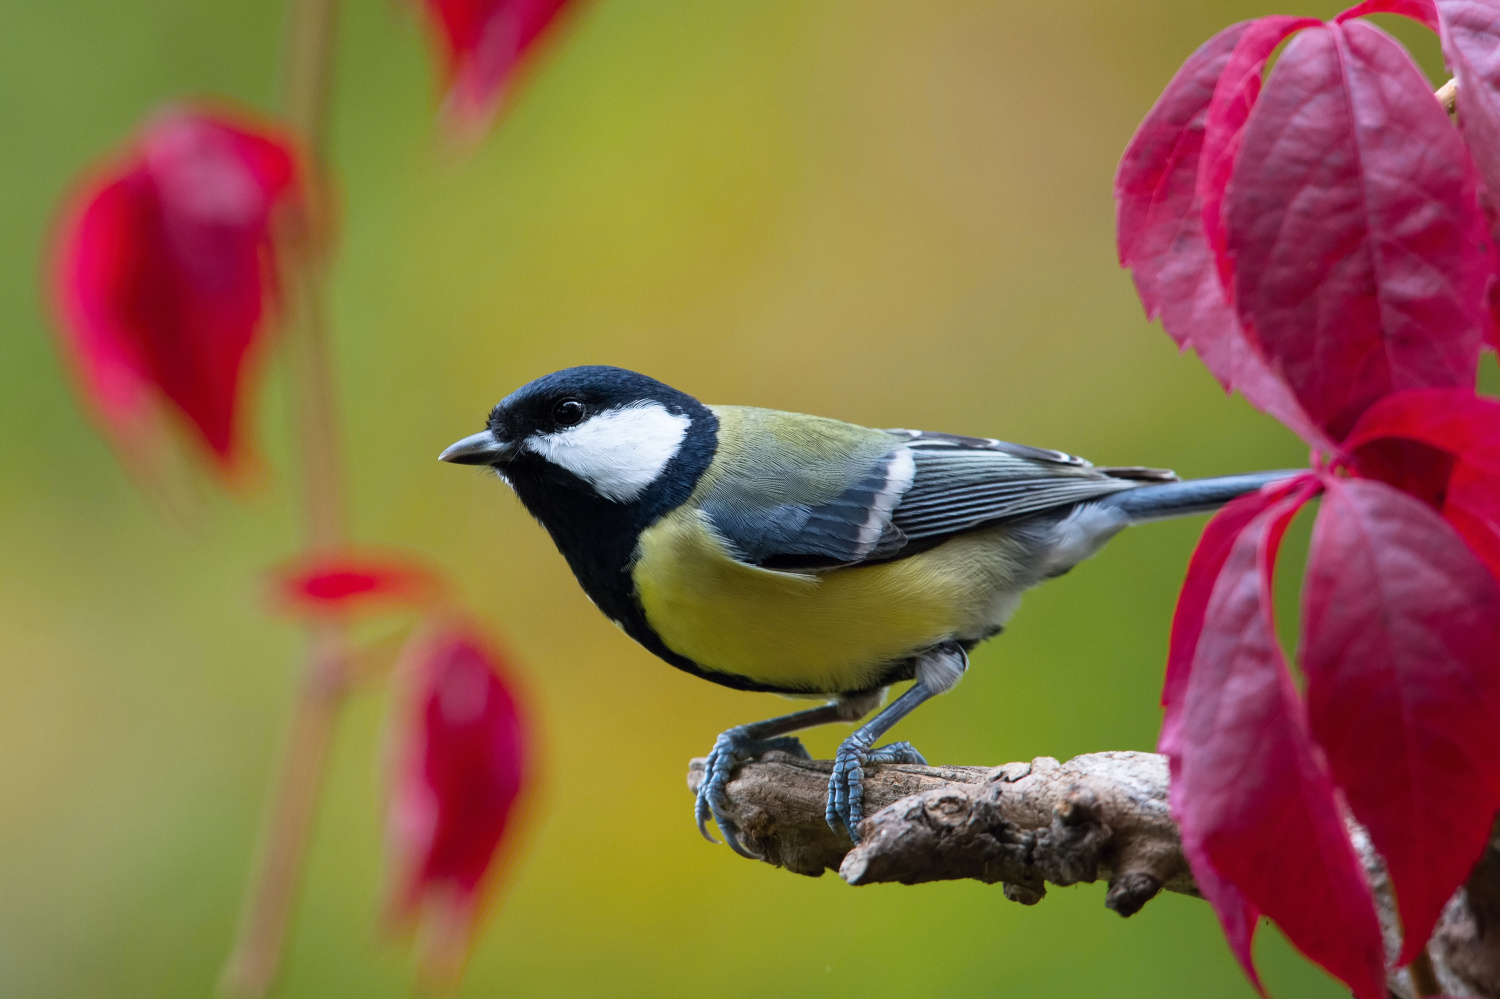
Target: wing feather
[924,488]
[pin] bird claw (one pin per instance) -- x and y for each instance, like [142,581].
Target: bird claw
[897,752]
[846,792]
[731,749]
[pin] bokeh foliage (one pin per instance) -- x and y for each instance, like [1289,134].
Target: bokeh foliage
[893,213]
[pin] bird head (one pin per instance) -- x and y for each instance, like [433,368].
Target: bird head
[594,433]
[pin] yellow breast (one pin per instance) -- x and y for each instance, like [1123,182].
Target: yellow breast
[835,631]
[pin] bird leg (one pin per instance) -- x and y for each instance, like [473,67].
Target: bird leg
[745,742]
[938,670]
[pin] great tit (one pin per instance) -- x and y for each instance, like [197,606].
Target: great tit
[773,551]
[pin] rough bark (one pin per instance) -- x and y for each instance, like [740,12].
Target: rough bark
[1101,816]
[1466,945]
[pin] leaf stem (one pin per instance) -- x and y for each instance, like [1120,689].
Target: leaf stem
[306,88]
[256,958]
[307,72]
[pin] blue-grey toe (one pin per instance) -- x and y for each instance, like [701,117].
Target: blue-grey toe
[731,749]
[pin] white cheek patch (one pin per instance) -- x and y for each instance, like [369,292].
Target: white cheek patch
[619,452]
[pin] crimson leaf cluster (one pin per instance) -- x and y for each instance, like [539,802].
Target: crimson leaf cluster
[1323,238]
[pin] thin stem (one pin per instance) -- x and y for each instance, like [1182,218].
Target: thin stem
[306,88]
[307,71]
[256,958]
[316,417]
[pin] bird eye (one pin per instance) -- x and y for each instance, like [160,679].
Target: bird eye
[568,412]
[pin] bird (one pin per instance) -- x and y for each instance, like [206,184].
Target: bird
[775,551]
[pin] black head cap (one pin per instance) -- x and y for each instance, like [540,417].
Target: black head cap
[569,397]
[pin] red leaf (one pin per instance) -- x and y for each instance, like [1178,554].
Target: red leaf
[1471,44]
[1224,128]
[336,584]
[1149,194]
[1401,625]
[1470,30]
[1192,603]
[461,765]
[1422,11]
[1236,914]
[1161,237]
[481,43]
[1252,792]
[165,272]
[1412,467]
[1360,253]
[1465,428]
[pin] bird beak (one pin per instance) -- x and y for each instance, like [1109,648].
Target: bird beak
[478,449]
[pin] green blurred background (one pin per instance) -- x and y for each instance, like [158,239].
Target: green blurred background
[897,214]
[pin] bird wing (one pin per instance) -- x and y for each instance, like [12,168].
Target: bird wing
[798,492]
[962,483]
[838,495]
[850,527]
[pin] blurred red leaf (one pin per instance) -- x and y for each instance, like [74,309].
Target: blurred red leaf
[1401,628]
[461,766]
[1360,256]
[1251,791]
[336,584]
[1458,424]
[165,272]
[482,42]
[1161,236]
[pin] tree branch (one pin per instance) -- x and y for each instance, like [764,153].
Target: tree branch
[1447,95]
[1097,816]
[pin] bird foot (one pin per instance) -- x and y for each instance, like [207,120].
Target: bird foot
[732,748]
[846,792]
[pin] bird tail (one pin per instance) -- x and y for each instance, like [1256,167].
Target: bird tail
[1181,499]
